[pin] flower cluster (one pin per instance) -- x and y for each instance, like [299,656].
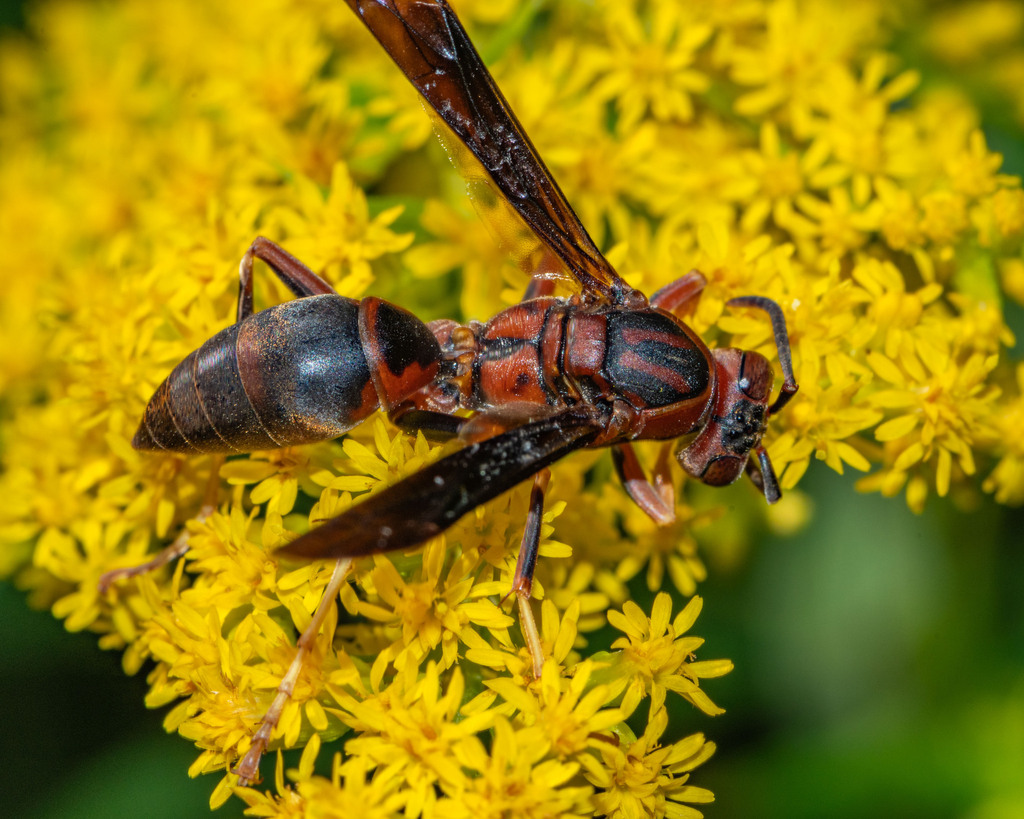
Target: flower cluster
[982,42]
[776,146]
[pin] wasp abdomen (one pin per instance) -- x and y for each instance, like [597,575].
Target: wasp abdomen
[304,370]
[178,418]
[291,374]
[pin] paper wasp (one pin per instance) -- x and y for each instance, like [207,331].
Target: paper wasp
[544,377]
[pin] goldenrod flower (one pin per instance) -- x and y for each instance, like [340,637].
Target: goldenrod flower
[1007,479]
[657,657]
[518,779]
[649,65]
[570,718]
[775,145]
[645,778]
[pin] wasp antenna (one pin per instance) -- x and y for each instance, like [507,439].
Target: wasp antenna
[789,385]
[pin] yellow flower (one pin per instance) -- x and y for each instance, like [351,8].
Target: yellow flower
[432,611]
[773,145]
[354,789]
[657,657]
[644,778]
[863,142]
[944,216]
[410,726]
[780,174]
[841,225]
[467,242]
[660,550]
[570,717]
[337,232]
[972,172]
[557,636]
[648,64]
[1008,212]
[943,410]
[791,55]
[900,221]
[514,779]
[1007,478]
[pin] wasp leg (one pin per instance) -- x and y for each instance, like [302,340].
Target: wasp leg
[763,475]
[180,544]
[296,276]
[436,426]
[166,555]
[248,768]
[542,281]
[681,295]
[538,287]
[522,583]
[657,496]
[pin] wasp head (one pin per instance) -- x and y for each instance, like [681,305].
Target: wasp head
[739,414]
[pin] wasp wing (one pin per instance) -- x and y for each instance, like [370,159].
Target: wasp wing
[429,501]
[427,41]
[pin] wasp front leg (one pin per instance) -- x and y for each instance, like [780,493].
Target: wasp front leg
[657,495]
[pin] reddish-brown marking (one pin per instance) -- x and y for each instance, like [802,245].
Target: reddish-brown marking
[586,344]
[673,378]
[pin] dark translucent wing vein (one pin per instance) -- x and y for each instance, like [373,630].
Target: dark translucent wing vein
[427,41]
[429,501]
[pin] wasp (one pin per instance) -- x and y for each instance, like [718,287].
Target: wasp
[602,368]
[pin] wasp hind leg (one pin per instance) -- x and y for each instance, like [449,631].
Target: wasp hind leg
[248,768]
[294,274]
[180,545]
[522,583]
